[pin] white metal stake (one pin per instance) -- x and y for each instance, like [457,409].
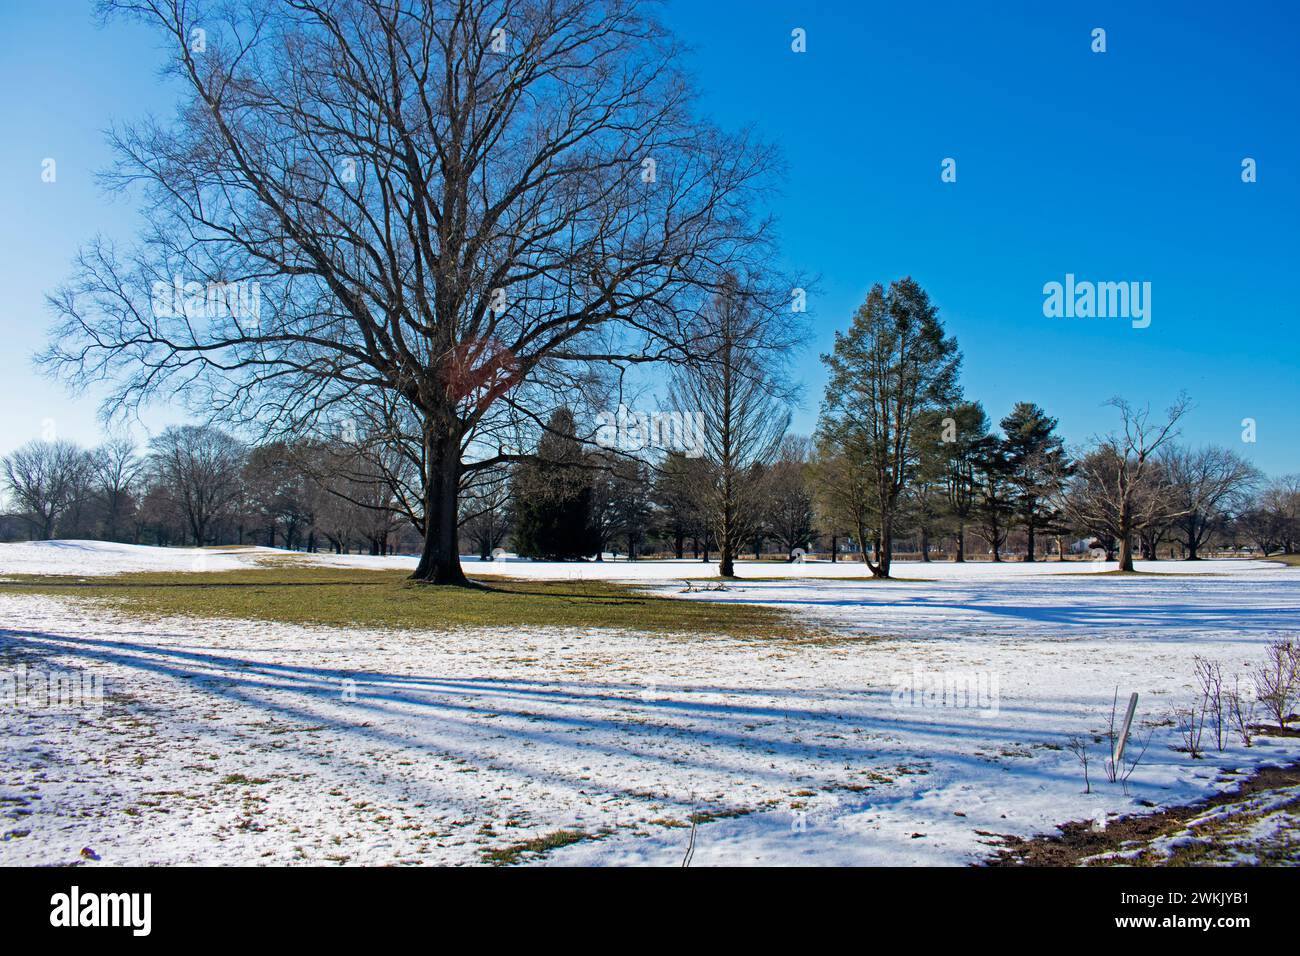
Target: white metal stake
[1123,737]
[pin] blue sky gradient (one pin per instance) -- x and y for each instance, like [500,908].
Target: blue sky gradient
[1122,166]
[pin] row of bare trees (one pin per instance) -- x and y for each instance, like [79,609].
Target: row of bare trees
[199,485]
[900,455]
[573,500]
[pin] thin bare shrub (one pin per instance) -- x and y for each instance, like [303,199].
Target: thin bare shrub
[1119,772]
[1130,762]
[1209,675]
[1277,681]
[1112,737]
[1241,710]
[1116,771]
[1079,747]
[1191,726]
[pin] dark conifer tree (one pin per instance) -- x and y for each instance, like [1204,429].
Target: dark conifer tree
[1037,465]
[553,496]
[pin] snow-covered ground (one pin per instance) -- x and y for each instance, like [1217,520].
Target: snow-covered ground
[690,569]
[97,558]
[241,742]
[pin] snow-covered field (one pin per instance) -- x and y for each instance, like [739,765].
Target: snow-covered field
[241,742]
[97,558]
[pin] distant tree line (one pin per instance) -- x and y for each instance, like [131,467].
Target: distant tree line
[997,495]
[198,485]
[901,463]
[905,459]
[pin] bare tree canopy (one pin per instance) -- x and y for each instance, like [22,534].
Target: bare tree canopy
[200,467]
[739,388]
[1119,491]
[790,513]
[46,479]
[1272,519]
[464,207]
[1208,485]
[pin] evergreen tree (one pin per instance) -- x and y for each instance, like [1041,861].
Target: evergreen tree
[926,502]
[620,501]
[633,504]
[553,492]
[994,509]
[1037,466]
[893,364]
[964,440]
[676,494]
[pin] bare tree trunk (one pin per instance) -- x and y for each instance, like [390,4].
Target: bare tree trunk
[961,542]
[1126,552]
[440,558]
[727,546]
[884,549]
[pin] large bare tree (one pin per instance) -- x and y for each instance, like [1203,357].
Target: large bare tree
[465,207]
[1119,488]
[1273,519]
[1210,485]
[116,470]
[46,480]
[200,468]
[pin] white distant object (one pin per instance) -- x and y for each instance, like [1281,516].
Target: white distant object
[498,554]
[797,555]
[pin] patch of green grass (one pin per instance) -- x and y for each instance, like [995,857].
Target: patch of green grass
[342,597]
[537,846]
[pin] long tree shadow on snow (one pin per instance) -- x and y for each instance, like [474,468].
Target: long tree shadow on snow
[1073,607]
[731,738]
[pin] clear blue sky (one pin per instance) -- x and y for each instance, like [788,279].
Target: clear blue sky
[1117,166]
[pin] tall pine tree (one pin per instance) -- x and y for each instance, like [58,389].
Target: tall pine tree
[892,366]
[1037,465]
